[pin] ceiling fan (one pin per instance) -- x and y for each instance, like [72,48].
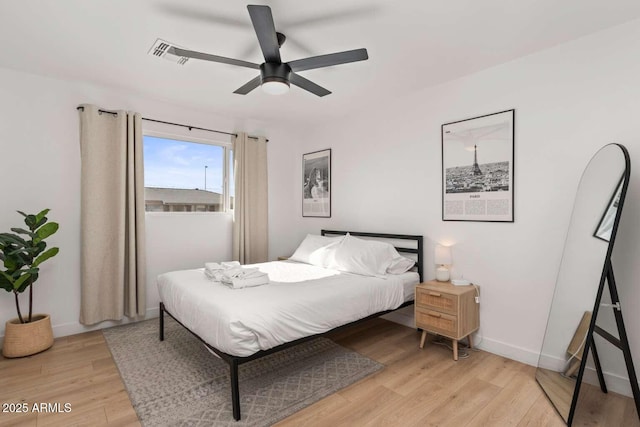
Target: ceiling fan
[276,76]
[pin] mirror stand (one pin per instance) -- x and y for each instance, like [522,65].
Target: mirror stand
[622,343]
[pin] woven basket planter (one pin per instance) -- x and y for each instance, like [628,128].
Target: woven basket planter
[25,339]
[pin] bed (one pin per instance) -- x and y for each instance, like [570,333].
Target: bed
[301,302]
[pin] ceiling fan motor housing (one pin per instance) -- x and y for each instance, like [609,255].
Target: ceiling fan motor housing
[270,72]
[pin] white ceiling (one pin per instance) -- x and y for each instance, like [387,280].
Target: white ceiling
[411,43]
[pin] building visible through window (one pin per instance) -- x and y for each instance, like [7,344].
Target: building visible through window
[185,176]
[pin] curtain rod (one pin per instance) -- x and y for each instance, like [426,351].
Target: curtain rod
[81,108]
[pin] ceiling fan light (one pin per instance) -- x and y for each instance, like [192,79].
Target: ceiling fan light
[275,87]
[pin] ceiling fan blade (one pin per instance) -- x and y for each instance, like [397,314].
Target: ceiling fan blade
[208,57]
[308,85]
[248,87]
[266,31]
[329,60]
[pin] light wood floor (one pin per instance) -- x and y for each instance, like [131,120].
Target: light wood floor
[78,370]
[416,388]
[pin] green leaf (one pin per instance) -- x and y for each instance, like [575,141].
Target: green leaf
[21,284]
[22,213]
[41,215]
[40,223]
[9,263]
[16,251]
[23,231]
[5,284]
[41,246]
[8,238]
[47,230]
[7,278]
[30,220]
[13,263]
[35,249]
[45,256]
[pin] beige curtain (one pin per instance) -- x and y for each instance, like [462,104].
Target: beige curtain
[112,216]
[250,242]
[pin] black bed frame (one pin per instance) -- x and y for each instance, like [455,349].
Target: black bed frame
[235,361]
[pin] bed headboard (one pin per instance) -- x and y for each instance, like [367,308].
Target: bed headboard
[417,250]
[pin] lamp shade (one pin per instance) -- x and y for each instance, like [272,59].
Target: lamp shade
[275,87]
[443,254]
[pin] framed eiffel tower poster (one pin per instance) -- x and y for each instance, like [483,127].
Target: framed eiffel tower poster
[477,168]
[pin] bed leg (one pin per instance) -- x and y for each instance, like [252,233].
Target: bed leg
[235,391]
[161,317]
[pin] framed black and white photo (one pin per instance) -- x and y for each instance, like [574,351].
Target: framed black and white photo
[605,226]
[477,168]
[316,184]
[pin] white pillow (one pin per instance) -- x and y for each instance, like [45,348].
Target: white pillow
[400,265]
[365,257]
[316,250]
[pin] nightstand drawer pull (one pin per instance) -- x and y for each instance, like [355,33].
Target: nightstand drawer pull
[434,314]
[435,294]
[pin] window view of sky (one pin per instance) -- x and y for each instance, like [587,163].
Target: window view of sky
[179,164]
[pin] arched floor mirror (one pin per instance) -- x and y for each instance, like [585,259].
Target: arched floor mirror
[585,274]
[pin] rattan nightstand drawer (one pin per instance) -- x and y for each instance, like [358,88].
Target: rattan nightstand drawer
[439,301]
[436,322]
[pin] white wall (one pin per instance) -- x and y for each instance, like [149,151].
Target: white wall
[386,166]
[40,165]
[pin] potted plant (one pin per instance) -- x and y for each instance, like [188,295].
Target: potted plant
[21,253]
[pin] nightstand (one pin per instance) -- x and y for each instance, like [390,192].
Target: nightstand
[444,309]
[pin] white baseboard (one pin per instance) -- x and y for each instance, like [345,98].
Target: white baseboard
[64,329]
[614,382]
[509,351]
[72,328]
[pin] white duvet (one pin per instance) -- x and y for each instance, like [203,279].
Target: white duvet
[299,301]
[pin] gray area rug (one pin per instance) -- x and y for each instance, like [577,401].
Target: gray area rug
[178,382]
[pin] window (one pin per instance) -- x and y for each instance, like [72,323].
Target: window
[187,176]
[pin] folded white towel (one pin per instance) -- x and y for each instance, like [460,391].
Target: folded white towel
[247,282]
[230,264]
[215,275]
[241,273]
[214,266]
[234,275]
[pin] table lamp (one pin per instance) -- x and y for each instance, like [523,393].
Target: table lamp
[443,259]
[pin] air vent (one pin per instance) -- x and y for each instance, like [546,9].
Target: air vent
[161,49]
